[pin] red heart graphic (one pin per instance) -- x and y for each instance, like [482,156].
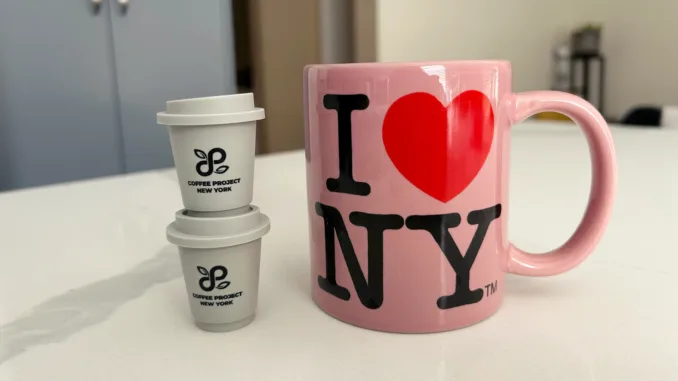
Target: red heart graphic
[439,149]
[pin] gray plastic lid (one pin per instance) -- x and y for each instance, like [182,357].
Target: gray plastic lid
[222,109]
[218,229]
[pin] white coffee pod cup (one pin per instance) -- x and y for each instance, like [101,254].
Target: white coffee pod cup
[213,143]
[220,255]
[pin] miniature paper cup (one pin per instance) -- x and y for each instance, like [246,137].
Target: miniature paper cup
[220,255]
[213,143]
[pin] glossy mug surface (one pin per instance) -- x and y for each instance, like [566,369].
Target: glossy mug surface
[407,178]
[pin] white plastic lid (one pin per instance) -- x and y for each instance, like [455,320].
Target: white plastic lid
[223,109]
[219,229]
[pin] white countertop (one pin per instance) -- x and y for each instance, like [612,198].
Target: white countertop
[91,290]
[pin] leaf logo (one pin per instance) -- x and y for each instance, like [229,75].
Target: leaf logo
[215,156]
[209,281]
[199,153]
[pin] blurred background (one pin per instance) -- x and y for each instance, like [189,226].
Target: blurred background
[82,80]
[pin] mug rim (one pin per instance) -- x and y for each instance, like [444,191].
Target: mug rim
[475,64]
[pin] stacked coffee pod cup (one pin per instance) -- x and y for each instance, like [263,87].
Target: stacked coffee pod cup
[219,232]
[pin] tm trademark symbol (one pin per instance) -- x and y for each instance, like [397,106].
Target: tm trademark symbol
[491,288]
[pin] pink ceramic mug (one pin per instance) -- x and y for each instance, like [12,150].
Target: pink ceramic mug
[407,170]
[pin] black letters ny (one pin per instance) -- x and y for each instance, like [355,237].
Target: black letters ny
[370,289]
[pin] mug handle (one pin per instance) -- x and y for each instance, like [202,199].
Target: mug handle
[603,182]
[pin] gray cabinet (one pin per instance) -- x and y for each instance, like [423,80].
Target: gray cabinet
[58,114]
[80,87]
[167,49]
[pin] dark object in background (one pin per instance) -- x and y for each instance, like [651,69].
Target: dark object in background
[586,61]
[586,40]
[649,116]
[244,78]
[585,46]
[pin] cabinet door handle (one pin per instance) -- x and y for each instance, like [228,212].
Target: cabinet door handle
[96,6]
[124,4]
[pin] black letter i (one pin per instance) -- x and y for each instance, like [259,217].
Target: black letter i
[345,104]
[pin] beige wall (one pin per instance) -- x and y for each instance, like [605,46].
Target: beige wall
[637,39]
[285,37]
[364,30]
